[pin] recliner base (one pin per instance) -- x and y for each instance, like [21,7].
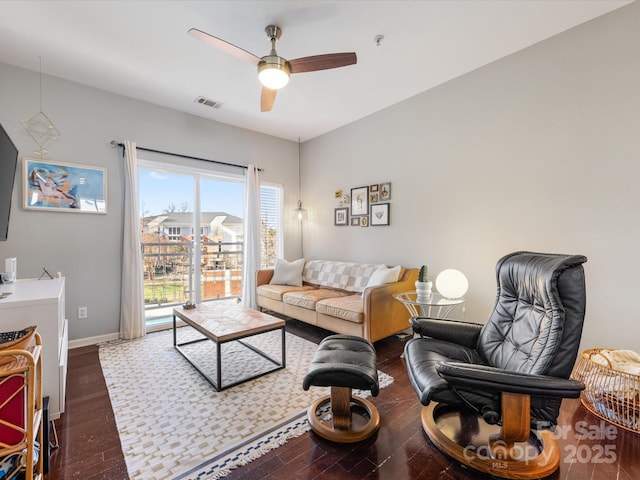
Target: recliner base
[468,439]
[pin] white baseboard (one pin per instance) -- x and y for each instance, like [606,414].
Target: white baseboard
[84,342]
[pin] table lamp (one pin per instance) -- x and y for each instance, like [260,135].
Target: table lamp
[452,283]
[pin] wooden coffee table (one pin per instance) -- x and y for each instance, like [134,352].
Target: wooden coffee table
[223,322]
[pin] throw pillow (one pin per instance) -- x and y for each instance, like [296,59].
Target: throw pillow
[384,275]
[288,273]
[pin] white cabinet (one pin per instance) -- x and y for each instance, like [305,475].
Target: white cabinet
[41,303]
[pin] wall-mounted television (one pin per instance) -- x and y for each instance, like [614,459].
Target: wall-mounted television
[8,165]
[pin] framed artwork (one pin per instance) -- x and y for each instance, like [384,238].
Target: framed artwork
[364,221]
[341,217]
[355,221]
[385,191]
[63,187]
[359,201]
[373,188]
[374,197]
[380,214]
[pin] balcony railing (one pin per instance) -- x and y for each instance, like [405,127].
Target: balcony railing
[169,269]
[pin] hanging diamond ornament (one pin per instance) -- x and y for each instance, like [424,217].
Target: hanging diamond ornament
[42,130]
[40,127]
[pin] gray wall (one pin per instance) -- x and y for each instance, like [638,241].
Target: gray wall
[87,248]
[538,151]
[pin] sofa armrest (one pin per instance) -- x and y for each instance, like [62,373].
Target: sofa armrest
[264,276]
[384,315]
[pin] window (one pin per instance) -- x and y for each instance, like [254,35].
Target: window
[271,224]
[174,234]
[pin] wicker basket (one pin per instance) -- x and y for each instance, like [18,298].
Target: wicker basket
[610,394]
[22,340]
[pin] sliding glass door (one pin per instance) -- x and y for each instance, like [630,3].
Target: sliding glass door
[192,234]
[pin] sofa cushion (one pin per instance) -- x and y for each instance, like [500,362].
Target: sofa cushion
[309,298]
[384,275]
[275,292]
[349,308]
[352,277]
[288,273]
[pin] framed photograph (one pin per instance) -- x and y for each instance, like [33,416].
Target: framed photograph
[341,217]
[385,191]
[374,197]
[355,221]
[380,214]
[364,221]
[359,201]
[63,187]
[373,188]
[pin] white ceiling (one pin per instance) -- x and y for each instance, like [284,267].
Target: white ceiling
[140,49]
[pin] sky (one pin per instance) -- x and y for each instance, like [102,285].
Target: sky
[158,190]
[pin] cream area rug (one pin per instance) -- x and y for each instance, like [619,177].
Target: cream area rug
[174,425]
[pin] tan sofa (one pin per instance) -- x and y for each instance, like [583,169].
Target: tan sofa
[338,296]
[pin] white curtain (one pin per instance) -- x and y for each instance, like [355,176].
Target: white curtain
[132,323]
[252,240]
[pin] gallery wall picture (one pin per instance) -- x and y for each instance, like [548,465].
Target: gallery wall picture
[341,217]
[359,201]
[379,214]
[385,192]
[63,187]
[363,206]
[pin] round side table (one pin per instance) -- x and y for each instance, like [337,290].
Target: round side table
[432,306]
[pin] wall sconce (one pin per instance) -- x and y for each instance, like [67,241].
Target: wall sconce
[452,284]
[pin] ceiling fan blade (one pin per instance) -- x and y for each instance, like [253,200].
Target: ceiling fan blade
[267,98]
[224,46]
[322,62]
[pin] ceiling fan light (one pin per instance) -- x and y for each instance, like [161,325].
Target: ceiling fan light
[274,74]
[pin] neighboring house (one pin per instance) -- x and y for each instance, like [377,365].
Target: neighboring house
[220,232]
[217,226]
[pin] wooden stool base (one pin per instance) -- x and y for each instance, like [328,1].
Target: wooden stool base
[472,442]
[344,426]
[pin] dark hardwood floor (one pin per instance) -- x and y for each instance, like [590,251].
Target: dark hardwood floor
[90,447]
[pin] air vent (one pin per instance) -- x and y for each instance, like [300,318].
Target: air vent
[207,102]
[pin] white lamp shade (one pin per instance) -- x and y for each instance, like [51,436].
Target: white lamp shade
[273,77]
[299,214]
[452,283]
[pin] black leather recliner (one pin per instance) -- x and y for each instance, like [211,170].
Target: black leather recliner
[506,378]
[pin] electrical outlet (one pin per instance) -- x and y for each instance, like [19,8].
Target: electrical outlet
[82,312]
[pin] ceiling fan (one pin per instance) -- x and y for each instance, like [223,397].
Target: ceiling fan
[273,70]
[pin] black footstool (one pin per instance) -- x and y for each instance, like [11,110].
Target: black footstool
[343,362]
